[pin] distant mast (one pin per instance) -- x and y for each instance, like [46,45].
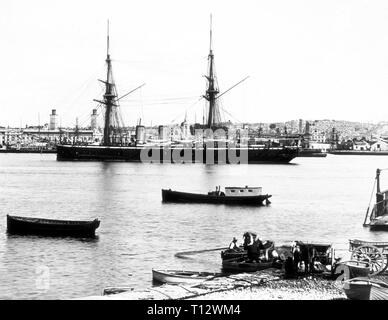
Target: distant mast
[212,91]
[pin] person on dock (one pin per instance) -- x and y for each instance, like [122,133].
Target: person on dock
[251,246]
[261,252]
[296,258]
[305,257]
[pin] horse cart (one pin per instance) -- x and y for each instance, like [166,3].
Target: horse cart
[373,253]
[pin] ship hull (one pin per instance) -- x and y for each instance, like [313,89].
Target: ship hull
[186,197]
[50,227]
[166,155]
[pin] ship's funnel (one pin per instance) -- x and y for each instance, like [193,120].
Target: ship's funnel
[93,119]
[53,120]
[163,132]
[140,134]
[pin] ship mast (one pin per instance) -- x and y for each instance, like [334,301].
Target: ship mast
[110,97]
[212,91]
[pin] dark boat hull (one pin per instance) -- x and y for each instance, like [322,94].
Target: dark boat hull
[366,289]
[236,265]
[377,227]
[185,197]
[379,224]
[241,253]
[47,227]
[133,154]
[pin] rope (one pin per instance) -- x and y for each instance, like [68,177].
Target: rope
[189,107]
[187,253]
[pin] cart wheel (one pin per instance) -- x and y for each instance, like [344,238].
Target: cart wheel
[371,255]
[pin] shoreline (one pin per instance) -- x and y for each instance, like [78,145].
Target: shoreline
[284,289]
[261,285]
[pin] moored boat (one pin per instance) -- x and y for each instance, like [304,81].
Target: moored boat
[181,276]
[243,265]
[378,218]
[379,223]
[51,227]
[232,195]
[365,289]
[355,268]
[240,252]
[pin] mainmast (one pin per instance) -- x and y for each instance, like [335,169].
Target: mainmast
[212,90]
[110,97]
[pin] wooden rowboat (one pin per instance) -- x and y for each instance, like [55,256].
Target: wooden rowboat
[228,254]
[180,276]
[50,227]
[366,289]
[241,265]
[355,268]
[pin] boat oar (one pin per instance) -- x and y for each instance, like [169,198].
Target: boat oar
[188,253]
[367,210]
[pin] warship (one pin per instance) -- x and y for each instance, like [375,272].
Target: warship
[117,144]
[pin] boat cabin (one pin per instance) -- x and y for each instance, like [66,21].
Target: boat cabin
[243,191]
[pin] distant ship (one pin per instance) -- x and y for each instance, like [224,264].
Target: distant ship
[359,152]
[115,145]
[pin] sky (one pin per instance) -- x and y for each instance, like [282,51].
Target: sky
[305,59]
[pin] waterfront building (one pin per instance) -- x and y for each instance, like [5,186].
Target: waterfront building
[380,145]
[361,145]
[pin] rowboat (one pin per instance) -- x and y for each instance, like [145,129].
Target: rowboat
[181,276]
[355,268]
[228,254]
[366,289]
[242,265]
[50,227]
[232,195]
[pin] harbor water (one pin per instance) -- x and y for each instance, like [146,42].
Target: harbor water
[313,199]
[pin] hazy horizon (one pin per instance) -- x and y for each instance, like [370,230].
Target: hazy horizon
[306,59]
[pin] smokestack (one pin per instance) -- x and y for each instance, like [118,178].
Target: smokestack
[93,119]
[53,120]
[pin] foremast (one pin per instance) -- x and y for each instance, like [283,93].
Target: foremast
[212,88]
